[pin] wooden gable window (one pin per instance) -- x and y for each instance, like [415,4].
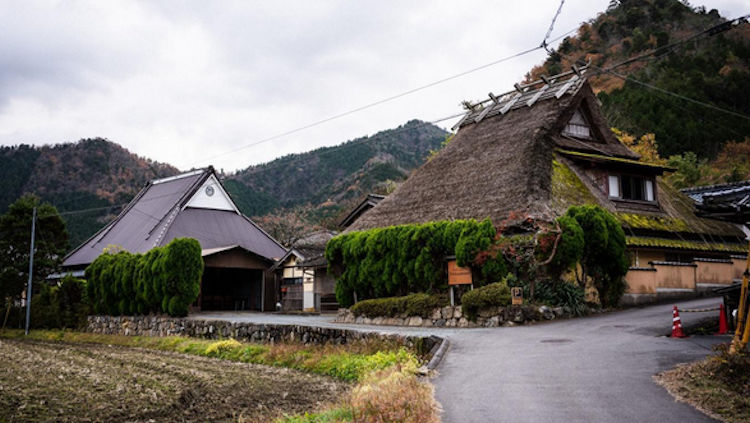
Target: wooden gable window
[578,126]
[631,187]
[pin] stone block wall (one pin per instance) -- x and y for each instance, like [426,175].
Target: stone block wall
[452,316]
[152,325]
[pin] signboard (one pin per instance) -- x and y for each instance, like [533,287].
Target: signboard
[516,294]
[458,275]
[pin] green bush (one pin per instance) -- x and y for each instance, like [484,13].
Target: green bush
[604,257]
[394,261]
[563,294]
[62,306]
[412,305]
[492,295]
[165,279]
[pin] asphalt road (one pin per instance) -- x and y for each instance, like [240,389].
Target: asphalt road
[594,369]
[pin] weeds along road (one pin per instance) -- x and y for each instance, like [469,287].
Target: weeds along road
[593,369]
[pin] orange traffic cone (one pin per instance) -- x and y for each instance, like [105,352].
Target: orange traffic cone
[722,321]
[677,324]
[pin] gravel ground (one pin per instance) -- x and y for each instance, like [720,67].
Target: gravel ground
[52,381]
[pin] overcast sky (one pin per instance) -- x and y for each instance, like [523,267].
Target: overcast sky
[183,82]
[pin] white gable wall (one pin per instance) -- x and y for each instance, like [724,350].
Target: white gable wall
[219,200]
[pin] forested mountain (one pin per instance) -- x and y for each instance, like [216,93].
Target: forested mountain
[712,69]
[324,182]
[90,173]
[300,189]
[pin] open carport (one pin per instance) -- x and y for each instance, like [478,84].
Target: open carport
[233,279]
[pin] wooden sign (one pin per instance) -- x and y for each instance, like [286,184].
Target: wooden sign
[516,294]
[458,275]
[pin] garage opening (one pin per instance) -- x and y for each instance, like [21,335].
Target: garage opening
[226,288]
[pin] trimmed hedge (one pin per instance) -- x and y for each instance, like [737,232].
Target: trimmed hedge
[163,280]
[394,261]
[412,305]
[493,295]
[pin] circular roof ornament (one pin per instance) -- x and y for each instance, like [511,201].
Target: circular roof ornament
[209,190]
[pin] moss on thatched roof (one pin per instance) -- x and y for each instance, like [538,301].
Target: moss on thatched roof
[682,244]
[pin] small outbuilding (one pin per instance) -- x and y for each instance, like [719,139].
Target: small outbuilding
[237,253]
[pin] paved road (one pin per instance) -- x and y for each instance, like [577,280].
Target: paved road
[595,369]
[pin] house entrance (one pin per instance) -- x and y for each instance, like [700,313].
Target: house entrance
[226,288]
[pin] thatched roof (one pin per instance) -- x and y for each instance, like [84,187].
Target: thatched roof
[506,161]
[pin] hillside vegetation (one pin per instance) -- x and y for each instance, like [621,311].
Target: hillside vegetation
[322,183]
[90,173]
[713,69]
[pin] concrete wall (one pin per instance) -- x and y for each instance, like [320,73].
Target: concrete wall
[739,264]
[641,280]
[674,275]
[713,271]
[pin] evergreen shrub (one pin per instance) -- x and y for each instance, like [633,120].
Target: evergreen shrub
[165,279]
[420,304]
[492,295]
[61,306]
[396,260]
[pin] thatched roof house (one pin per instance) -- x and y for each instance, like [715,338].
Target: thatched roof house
[541,148]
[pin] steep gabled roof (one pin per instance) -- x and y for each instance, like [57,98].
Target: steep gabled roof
[176,207]
[497,163]
[516,159]
[366,204]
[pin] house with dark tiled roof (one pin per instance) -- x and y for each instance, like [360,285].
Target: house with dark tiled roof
[237,253]
[545,146]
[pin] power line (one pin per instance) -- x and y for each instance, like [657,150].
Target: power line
[384,100]
[682,97]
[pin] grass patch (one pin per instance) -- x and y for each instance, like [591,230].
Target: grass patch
[718,386]
[349,363]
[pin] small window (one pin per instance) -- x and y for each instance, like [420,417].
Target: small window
[614,186]
[578,127]
[629,187]
[292,281]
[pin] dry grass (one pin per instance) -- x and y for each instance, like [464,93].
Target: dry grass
[718,386]
[44,381]
[393,396]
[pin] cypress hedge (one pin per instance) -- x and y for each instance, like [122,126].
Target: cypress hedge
[163,280]
[397,260]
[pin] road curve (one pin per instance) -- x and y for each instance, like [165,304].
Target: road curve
[595,369]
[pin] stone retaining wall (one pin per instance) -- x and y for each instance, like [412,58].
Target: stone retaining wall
[264,333]
[452,316]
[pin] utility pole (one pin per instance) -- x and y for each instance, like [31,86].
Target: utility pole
[31,271]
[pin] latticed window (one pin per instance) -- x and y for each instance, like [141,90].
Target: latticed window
[578,126]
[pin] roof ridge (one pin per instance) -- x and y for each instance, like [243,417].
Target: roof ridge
[525,95]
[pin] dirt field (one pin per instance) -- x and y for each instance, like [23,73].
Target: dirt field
[47,381]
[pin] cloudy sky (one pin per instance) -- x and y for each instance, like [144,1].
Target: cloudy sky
[194,83]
